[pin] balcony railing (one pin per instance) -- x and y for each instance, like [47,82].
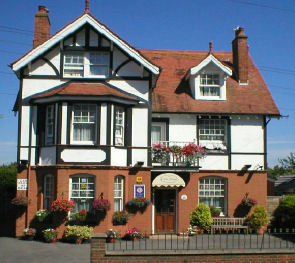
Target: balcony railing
[171,153]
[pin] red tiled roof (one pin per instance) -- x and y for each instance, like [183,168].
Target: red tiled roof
[82,88]
[172,91]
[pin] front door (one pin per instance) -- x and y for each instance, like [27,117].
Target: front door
[165,207]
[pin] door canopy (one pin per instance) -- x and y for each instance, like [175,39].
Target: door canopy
[168,180]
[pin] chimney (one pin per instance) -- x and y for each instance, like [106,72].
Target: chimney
[240,55]
[42,26]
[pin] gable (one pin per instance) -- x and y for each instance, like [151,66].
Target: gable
[66,32]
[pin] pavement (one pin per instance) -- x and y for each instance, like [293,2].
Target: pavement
[14,250]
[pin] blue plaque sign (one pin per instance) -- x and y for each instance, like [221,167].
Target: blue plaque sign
[139,190]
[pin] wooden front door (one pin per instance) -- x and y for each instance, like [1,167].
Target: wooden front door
[165,207]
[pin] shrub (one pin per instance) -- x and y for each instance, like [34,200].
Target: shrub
[74,232]
[258,218]
[284,215]
[201,217]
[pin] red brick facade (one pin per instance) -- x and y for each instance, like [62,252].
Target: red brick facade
[237,186]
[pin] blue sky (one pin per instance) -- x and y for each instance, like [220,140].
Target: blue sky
[167,24]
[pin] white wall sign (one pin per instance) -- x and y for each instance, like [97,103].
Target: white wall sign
[22,184]
[183,197]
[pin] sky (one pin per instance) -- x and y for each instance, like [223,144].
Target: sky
[167,24]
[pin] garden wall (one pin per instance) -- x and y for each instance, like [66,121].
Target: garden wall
[99,254]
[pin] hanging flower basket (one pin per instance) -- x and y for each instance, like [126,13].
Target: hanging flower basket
[101,205]
[137,204]
[62,205]
[120,218]
[20,201]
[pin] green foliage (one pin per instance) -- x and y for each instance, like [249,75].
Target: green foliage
[258,218]
[201,217]
[215,211]
[284,215]
[74,232]
[285,166]
[8,175]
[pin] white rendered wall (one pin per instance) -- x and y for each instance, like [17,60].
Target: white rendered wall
[139,127]
[182,127]
[25,131]
[214,162]
[103,124]
[118,58]
[239,161]
[139,155]
[47,156]
[247,134]
[131,69]
[33,86]
[64,122]
[139,88]
[93,39]
[118,156]
[80,38]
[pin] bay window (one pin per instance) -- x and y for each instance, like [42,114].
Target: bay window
[82,191]
[86,64]
[49,125]
[119,127]
[84,119]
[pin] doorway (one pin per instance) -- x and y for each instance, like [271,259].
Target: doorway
[165,210]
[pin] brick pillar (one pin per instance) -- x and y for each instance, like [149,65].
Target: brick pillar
[97,247]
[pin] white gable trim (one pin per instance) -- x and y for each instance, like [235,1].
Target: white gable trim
[208,60]
[73,27]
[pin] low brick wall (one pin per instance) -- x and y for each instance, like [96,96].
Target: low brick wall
[99,254]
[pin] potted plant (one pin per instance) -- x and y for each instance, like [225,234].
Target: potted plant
[120,218]
[50,235]
[160,153]
[192,152]
[112,235]
[215,212]
[78,234]
[79,217]
[247,201]
[20,201]
[41,214]
[101,205]
[133,234]
[201,217]
[29,233]
[258,219]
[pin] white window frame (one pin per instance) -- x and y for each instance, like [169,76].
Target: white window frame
[163,136]
[49,125]
[119,126]
[82,187]
[95,123]
[48,193]
[205,78]
[213,187]
[84,66]
[210,128]
[119,193]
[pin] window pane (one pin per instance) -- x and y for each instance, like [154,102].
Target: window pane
[118,193]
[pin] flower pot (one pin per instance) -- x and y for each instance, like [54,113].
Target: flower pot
[29,238]
[79,240]
[53,240]
[261,230]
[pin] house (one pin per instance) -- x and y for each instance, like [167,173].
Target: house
[285,184]
[91,107]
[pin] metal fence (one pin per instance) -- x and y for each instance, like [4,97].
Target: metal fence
[274,239]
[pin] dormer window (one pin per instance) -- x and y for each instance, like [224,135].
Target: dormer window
[209,85]
[86,64]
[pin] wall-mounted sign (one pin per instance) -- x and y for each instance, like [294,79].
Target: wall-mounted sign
[22,184]
[183,197]
[139,190]
[139,179]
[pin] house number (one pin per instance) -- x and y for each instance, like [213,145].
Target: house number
[183,197]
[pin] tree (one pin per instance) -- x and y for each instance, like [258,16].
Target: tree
[285,166]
